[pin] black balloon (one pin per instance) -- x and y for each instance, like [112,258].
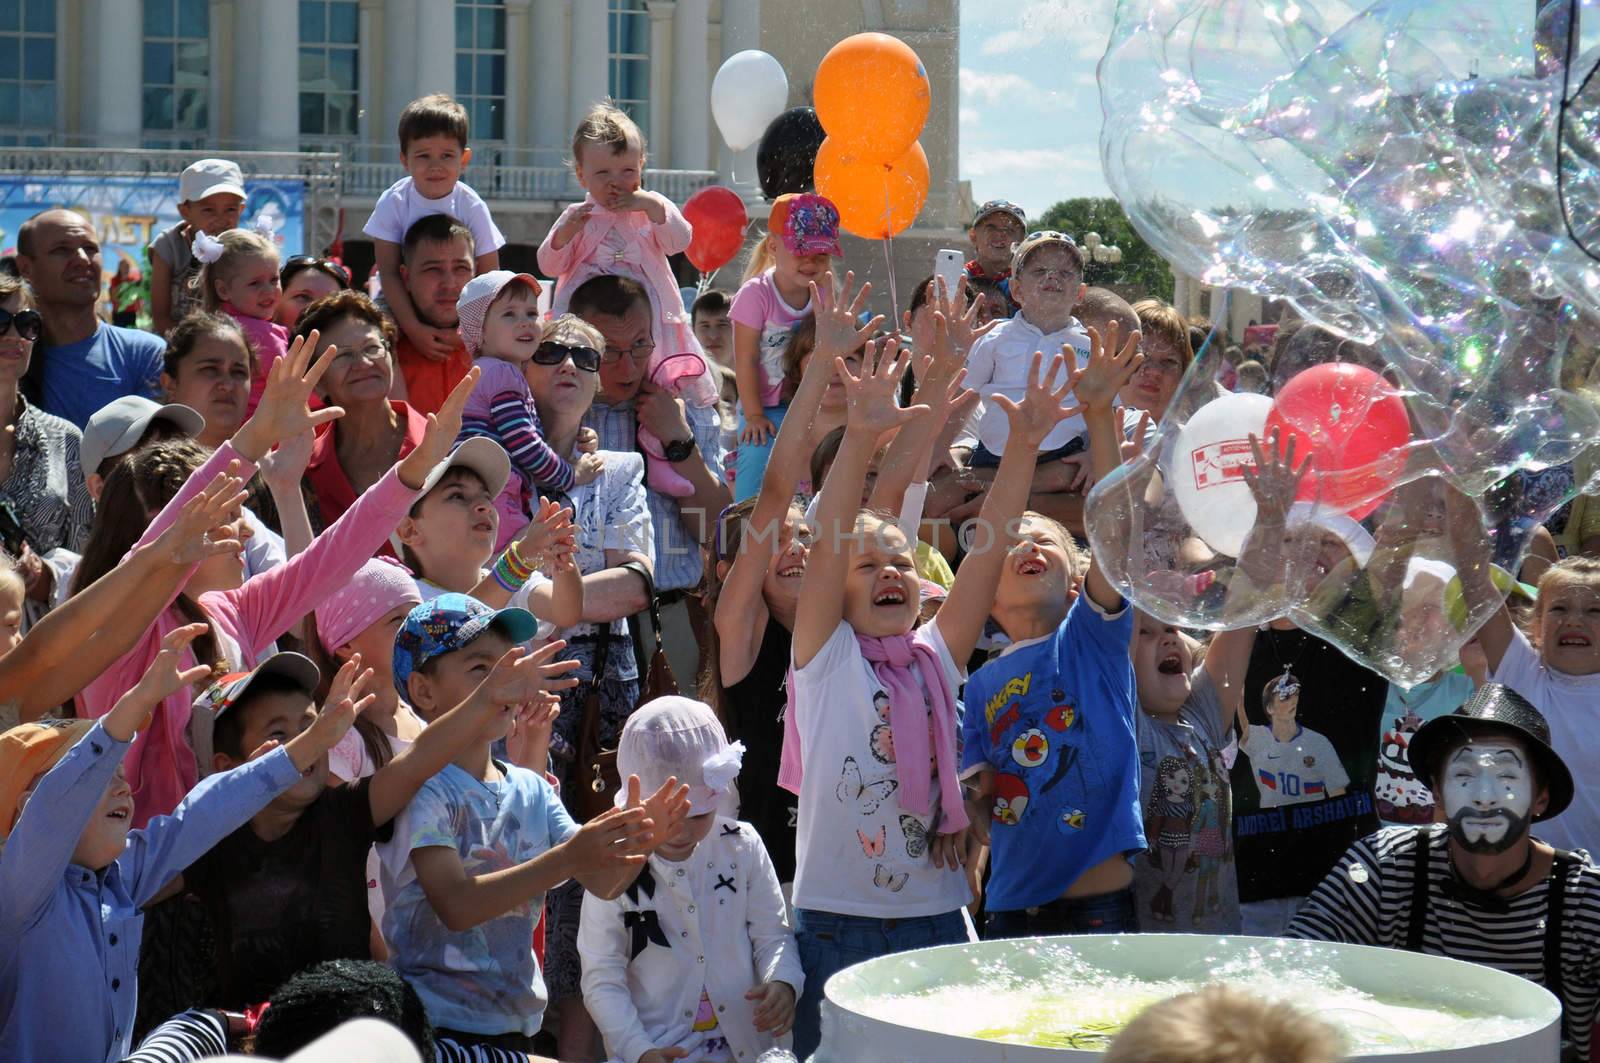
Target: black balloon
[788,152]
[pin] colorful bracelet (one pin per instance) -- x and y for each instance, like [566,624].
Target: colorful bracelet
[511,571]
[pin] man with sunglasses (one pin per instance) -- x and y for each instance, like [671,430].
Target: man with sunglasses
[620,308]
[81,363]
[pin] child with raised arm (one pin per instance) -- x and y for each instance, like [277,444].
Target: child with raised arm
[695,960]
[1050,749]
[871,735]
[620,228]
[210,200]
[465,875]
[433,149]
[246,615]
[75,877]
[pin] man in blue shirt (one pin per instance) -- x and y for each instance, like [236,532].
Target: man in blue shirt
[81,363]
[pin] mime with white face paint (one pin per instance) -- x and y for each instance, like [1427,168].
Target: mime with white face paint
[1478,887]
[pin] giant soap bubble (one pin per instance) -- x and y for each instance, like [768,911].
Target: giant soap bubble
[1419,181]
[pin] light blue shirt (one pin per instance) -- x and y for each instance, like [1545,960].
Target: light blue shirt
[484,980]
[81,377]
[69,936]
[677,558]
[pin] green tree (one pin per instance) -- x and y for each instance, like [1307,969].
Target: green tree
[1142,273]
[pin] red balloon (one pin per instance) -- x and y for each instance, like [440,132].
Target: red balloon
[719,220]
[1355,424]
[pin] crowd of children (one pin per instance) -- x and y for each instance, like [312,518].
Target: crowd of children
[343,761]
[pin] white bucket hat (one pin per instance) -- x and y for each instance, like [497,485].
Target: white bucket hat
[678,737]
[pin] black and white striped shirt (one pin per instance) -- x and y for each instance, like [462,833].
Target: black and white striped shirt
[1366,900]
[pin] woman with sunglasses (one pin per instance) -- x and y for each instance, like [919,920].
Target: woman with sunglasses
[45,510]
[616,547]
[305,280]
[353,453]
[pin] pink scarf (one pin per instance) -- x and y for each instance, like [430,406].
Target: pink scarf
[894,661]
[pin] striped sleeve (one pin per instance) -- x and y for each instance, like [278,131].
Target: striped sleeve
[516,425]
[184,1038]
[448,1051]
[1347,905]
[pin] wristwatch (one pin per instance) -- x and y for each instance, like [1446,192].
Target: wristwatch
[679,451]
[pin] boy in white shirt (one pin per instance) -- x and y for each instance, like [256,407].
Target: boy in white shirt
[433,147]
[1047,280]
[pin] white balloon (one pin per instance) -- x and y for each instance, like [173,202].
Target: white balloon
[748,92]
[1208,460]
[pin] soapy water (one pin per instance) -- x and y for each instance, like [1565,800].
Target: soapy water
[1072,1004]
[1420,184]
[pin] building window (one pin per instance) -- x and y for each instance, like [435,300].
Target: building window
[630,59]
[28,64]
[177,65]
[329,67]
[481,65]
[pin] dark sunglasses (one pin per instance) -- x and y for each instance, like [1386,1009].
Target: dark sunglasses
[28,322]
[336,270]
[585,358]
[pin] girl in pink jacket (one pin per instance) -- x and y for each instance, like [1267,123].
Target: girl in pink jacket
[245,617]
[619,228]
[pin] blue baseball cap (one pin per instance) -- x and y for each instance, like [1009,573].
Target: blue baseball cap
[448,623]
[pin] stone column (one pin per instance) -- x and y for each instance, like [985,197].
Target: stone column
[517,59]
[661,127]
[691,87]
[590,79]
[547,60]
[118,100]
[435,50]
[266,72]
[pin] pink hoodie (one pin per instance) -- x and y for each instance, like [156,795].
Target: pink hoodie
[161,765]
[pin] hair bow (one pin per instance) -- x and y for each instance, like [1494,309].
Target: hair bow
[721,768]
[207,248]
[265,224]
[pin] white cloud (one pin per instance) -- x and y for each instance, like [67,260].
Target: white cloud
[1011,162]
[1072,24]
[967,115]
[987,87]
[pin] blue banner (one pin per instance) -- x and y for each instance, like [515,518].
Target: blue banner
[128,213]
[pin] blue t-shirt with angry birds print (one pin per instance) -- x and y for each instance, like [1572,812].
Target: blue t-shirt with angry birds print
[1054,717]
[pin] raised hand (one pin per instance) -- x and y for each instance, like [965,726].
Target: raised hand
[551,524]
[838,316]
[570,229]
[962,319]
[1109,368]
[163,678]
[194,536]
[616,838]
[283,467]
[946,359]
[283,411]
[870,397]
[666,808]
[440,437]
[346,700]
[1274,479]
[520,677]
[528,741]
[1043,405]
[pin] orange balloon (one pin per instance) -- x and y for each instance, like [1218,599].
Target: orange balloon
[872,95]
[876,200]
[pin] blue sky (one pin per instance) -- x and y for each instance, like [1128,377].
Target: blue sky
[1030,111]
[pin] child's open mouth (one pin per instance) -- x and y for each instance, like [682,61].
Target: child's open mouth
[890,596]
[1171,664]
[1573,638]
[1031,566]
[119,813]
[790,571]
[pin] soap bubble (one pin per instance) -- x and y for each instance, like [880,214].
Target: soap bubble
[1420,184]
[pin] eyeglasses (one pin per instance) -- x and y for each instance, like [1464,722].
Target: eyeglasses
[372,352]
[28,323]
[337,270]
[1050,234]
[584,358]
[639,352]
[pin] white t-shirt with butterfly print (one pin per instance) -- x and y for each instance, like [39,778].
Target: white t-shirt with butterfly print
[858,852]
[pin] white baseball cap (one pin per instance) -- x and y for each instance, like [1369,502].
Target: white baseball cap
[678,737]
[480,454]
[207,177]
[118,426]
[472,306]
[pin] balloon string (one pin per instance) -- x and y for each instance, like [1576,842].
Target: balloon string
[888,256]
